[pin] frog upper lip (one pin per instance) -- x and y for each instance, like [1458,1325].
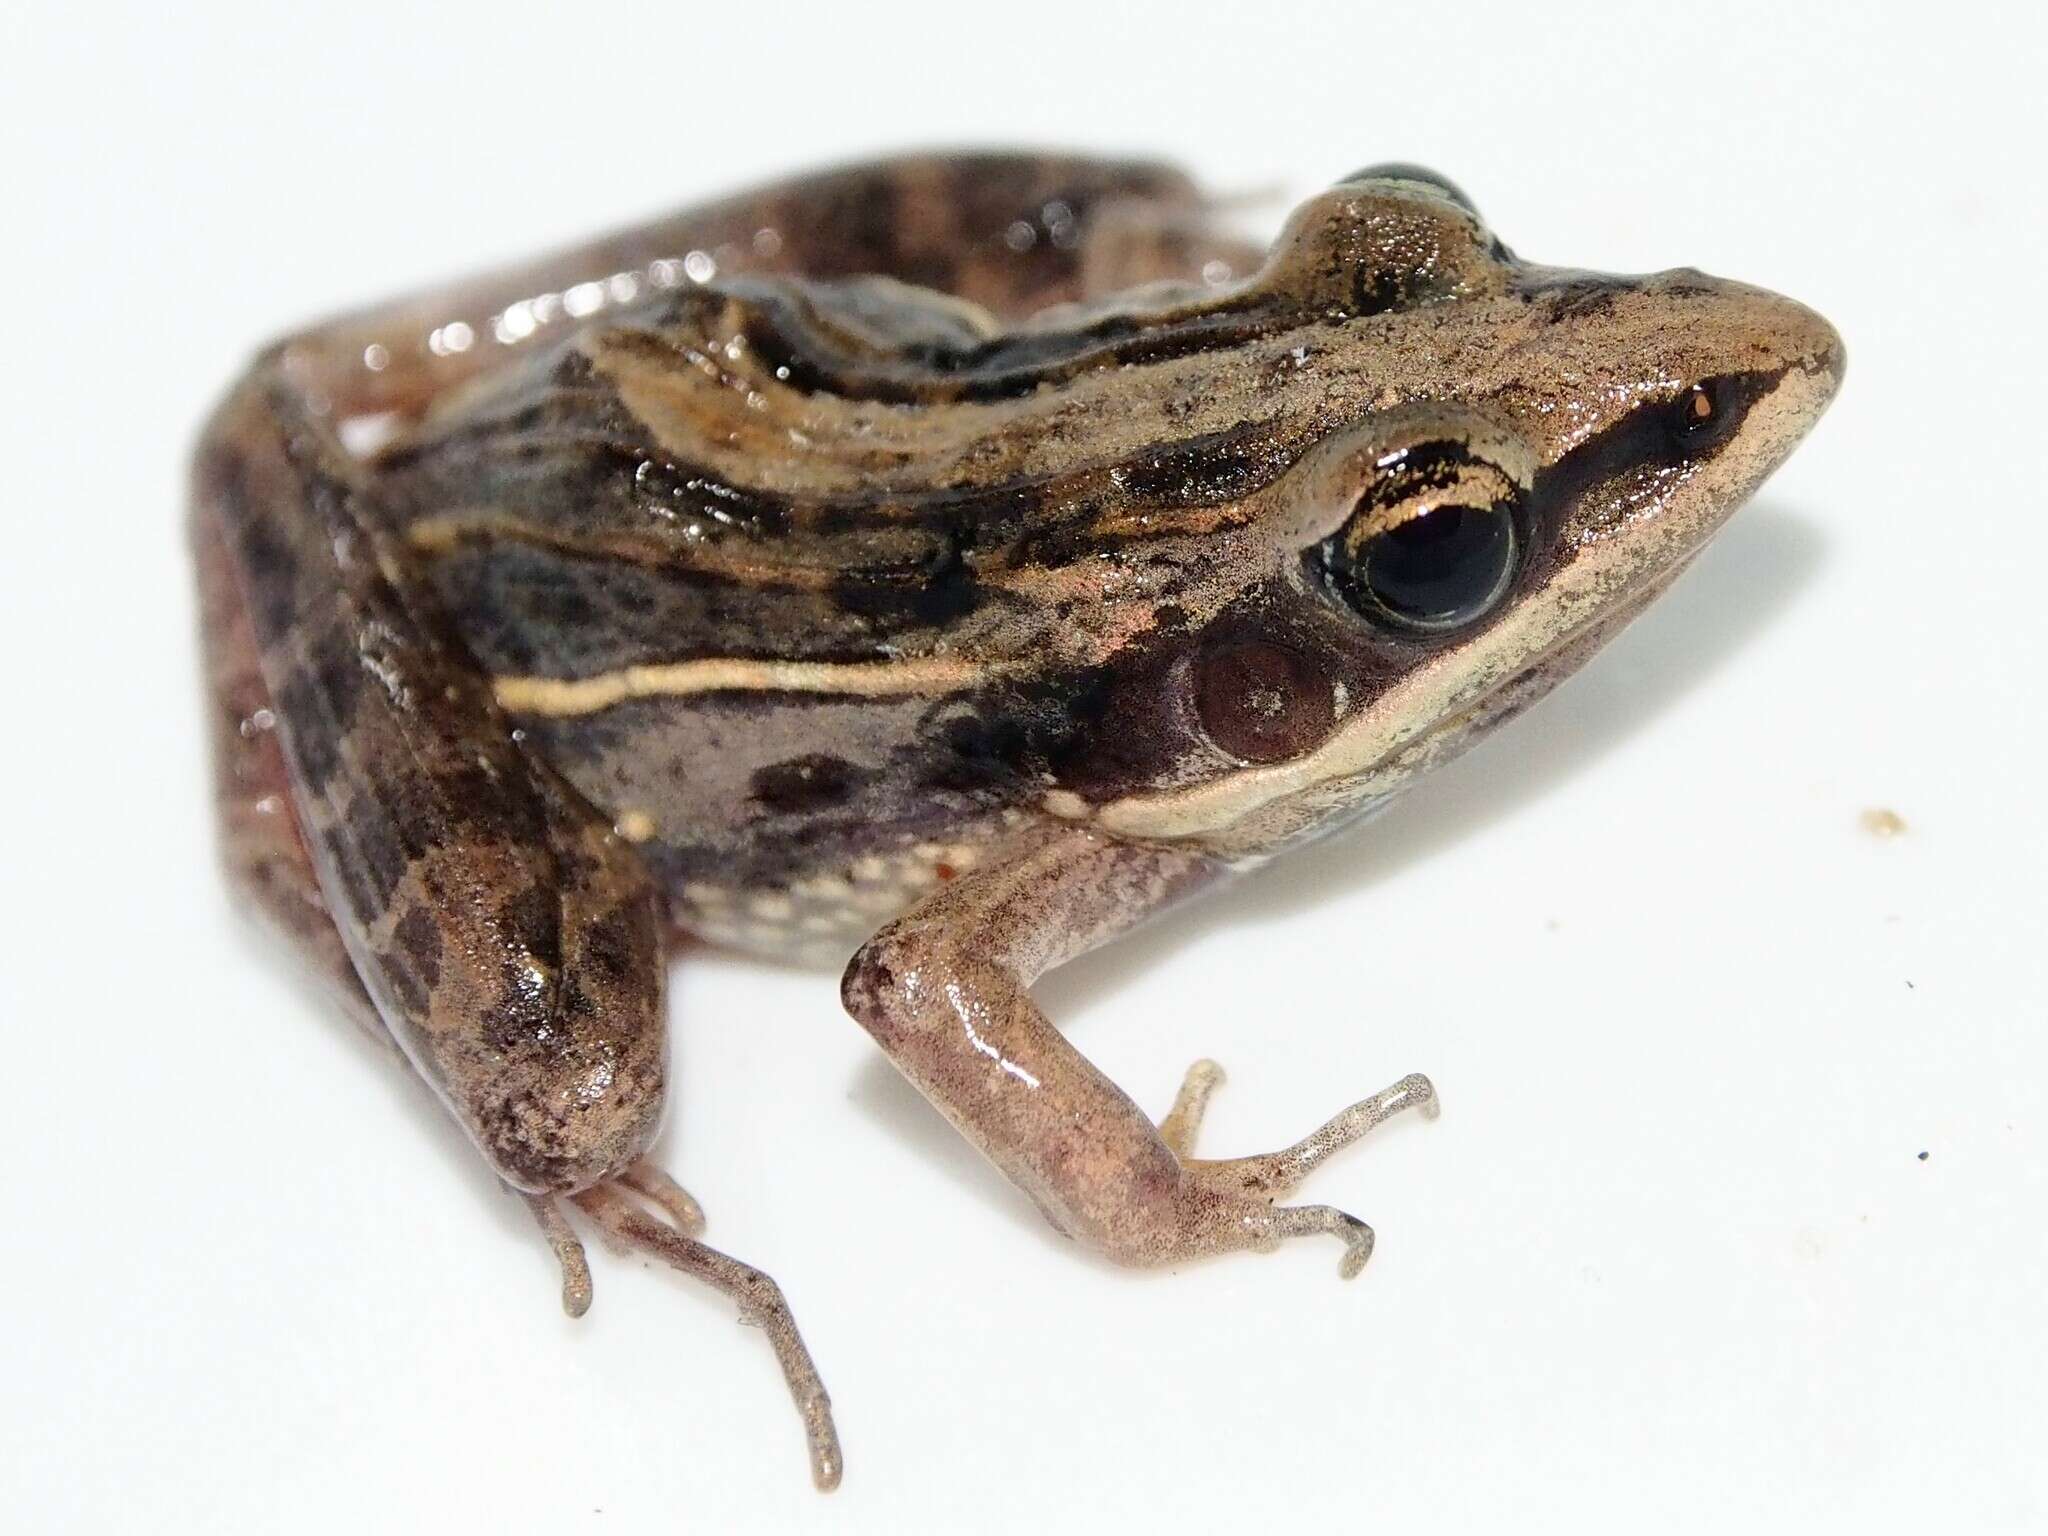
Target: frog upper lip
[1592,632]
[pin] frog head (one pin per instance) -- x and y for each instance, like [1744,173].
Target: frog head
[1503,463]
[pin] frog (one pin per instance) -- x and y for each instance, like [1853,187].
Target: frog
[934,567]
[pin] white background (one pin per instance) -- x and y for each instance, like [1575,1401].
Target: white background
[1670,1259]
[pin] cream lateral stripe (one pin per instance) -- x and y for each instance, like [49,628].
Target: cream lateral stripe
[717,674]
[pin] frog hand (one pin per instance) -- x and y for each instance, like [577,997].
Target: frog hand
[1268,1177]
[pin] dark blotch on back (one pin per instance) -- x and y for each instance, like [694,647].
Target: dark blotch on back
[815,783]
[362,902]
[271,569]
[1582,298]
[417,939]
[943,589]
[612,944]
[301,705]
[376,851]
[336,664]
[532,921]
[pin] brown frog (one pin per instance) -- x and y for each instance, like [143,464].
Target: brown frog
[950,561]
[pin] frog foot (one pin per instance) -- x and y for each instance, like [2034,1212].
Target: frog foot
[627,1224]
[1261,1180]
[759,1298]
[658,1189]
[644,1179]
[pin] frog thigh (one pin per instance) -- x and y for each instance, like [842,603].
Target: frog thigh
[509,941]
[1009,231]
[510,950]
[1132,244]
[261,842]
[944,991]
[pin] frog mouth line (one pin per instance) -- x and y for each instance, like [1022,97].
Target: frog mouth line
[1570,648]
[1447,736]
[1373,783]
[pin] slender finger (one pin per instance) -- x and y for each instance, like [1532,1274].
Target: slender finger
[1284,1171]
[1184,1120]
[1357,1237]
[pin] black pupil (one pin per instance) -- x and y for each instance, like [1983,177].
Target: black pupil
[1439,570]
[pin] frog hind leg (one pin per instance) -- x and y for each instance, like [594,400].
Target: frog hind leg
[760,1300]
[505,937]
[944,990]
[675,1243]
[261,844]
[1011,232]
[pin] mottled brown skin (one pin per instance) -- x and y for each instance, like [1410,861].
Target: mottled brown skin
[985,548]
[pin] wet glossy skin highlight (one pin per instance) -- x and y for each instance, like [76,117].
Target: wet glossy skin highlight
[950,562]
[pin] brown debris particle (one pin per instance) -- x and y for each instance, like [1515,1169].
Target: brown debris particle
[1882,821]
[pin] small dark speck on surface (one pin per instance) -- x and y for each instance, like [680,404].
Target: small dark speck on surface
[1911,988]
[1923,1157]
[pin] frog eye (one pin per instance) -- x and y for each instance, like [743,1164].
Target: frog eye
[1446,566]
[1418,521]
[1401,170]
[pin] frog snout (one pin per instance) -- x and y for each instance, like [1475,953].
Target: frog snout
[1753,330]
[1805,340]
[1808,354]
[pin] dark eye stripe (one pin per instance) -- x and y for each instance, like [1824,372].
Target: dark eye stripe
[1658,432]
